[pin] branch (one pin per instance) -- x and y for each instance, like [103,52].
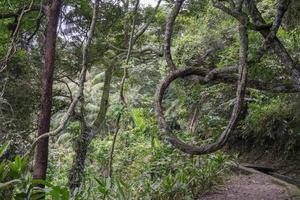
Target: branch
[140,33]
[68,87]
[9,183]
[37,22]
[13,45]
[145,27]
[205,149]
[18,13]
[137,51]
[130,45]
[268,32]
[230,11]
[269,39]
[169,32]
[239,15]
[276,46]
[112,149]
[70,79]
[100,119]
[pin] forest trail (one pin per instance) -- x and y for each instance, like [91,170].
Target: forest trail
[248,187]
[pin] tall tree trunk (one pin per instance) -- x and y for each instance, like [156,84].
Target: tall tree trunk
[87,134]
[41,156]
[76,172]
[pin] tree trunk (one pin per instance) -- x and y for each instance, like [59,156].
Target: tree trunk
[87,134]
[76,172]
[41,156]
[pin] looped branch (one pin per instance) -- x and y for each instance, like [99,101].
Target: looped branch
[176,142]
[271,41]
[240,94]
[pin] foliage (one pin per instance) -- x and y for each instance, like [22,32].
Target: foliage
[273,122]
[17,183]
[146,168]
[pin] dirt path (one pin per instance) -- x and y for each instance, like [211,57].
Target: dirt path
[248,187]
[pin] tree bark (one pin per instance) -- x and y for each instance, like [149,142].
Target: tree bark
[87,134]
[41,157]
[169,32]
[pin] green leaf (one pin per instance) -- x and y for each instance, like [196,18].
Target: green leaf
[9,183]
[3,148]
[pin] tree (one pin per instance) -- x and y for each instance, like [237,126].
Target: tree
[52,12]
[271,41]
[77,169]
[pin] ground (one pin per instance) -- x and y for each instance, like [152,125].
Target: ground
[248,187]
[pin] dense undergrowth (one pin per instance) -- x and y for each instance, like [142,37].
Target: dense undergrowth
[271,126]
[143,168]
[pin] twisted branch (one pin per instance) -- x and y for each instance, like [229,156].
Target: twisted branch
[282,8]
[209,148]
[225,75]
[276,45]
[169,32]
[130,45]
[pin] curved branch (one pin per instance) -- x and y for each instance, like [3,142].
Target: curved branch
[169,32]
[145,27]
[130,45]
[228,75]
[209,148]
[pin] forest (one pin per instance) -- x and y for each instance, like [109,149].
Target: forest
[149,99]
